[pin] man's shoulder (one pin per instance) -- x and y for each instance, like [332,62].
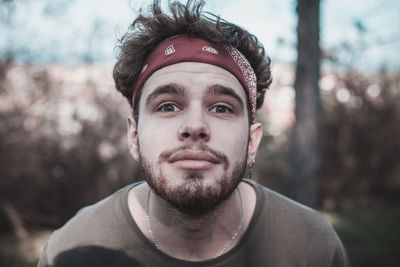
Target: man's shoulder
[280,207]
[86,220]
[92,225]
[294,227]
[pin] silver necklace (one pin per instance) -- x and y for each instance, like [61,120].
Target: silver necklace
[224,249]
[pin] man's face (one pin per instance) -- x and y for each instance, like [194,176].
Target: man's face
[192,136]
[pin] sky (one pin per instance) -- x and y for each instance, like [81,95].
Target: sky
[77,31]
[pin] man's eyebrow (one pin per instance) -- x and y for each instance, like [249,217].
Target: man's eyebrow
[172,88]
[217,89]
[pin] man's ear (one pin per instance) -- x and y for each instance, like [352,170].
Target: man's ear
[255,136]
[133,138]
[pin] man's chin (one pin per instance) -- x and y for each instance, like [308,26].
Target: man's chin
[194,195]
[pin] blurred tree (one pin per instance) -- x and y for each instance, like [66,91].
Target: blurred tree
[303,156]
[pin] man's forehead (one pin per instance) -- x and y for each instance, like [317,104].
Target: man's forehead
[193,75]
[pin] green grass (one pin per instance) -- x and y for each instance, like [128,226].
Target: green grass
[14,253]
[371,238]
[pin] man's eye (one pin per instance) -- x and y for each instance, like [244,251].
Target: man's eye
[168,107]
[221,109]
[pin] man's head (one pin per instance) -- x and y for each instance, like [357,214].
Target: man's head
[149,29]
[192,131]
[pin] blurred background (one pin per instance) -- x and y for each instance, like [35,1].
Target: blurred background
[331,119]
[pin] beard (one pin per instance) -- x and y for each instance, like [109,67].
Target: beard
[193,197]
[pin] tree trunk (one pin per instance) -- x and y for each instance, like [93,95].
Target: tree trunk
[305,134]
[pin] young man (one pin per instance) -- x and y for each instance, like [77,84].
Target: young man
[194,84]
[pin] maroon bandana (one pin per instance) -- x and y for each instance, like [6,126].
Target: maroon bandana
[184,48]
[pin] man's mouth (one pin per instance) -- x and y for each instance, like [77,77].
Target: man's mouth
[193,160]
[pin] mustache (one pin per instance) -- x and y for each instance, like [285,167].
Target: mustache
[165,155]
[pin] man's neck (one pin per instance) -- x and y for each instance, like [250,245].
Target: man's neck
[166,215]
[209,231]
[194,238]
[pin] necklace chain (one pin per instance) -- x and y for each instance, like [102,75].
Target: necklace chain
[224,249]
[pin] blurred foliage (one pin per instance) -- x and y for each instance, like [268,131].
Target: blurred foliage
[359,155]
[360,141]
[62,141]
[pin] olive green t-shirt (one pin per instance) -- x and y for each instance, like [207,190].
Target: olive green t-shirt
[281,233]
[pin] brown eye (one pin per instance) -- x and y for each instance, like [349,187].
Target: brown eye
[221,109]
[168,107]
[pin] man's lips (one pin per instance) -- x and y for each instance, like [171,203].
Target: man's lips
[193,160]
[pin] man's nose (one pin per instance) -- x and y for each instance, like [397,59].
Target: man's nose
[194,128]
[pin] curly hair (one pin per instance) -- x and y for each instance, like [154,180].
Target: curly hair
[150,28]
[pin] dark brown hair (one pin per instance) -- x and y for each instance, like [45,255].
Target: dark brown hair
[154,26]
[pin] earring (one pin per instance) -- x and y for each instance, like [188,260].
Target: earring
[251,166]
